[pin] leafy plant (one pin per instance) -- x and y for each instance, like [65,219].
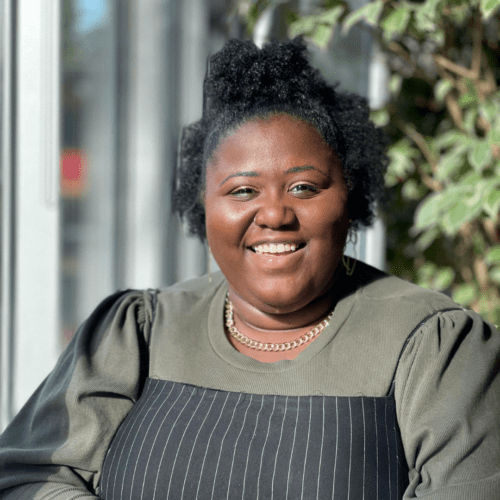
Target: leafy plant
[443,118]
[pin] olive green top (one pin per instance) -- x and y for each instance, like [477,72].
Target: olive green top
[444,362]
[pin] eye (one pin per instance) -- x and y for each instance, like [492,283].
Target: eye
[244,193]
[304,190]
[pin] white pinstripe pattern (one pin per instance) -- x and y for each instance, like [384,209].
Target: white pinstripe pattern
[388,447]
[180,442]
[132,445]
[250,446]
[149,426]
[168,438]
[157,432]
[336,445]
[208,444]
[376,439]
[364,445]
[321,450]
[307,447]
[128,433]
[222,444]
[127,425]
[264,447]
[350,452]
[278,448]
[293,446]
[396,450]
[236,446]
[131,442]
[194,443]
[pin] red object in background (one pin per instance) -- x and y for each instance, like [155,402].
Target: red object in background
[73,166]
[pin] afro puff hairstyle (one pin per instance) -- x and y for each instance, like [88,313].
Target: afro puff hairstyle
[244,82]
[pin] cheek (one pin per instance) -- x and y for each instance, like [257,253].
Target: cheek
[225,226]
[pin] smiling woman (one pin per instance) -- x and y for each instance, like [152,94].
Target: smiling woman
[273,184]
[295,372]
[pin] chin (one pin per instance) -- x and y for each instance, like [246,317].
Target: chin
[284,298]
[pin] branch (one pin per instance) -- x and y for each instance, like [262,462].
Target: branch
[419,140]
[455,111]
[477,39]
[453,67]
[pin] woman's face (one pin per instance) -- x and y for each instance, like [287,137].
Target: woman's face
[276,213]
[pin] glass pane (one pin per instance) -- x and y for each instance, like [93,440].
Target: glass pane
[87,158]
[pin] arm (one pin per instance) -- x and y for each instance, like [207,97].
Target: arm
[448,396]
[55,447]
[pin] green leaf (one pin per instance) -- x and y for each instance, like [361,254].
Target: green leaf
[467,100]
[488,7]
[428,212]
[480,155]
[331,16]
[470,119]
[495,274]
[444,278]
[396,22]
[450,138]
[303,26]
[464,294]
[401,164]
[319,28]
[425,274]
[455,217]
[426,16]
[321,35]
[493,136]
[468,182]
[442,88]
[412,190]
[451,161]
[380,117]
[493,255]
[492,203]
[369,13]
[426,239]
[490,110]
[395,83]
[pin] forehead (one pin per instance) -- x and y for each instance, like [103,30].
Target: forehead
[277,135]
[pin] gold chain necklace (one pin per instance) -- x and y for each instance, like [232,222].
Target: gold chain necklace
[265,346]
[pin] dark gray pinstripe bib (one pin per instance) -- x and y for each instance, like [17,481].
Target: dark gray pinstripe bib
[185,442]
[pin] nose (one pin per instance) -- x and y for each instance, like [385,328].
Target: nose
[274,213]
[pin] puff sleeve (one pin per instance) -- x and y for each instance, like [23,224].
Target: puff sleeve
[55,447]
[448,398]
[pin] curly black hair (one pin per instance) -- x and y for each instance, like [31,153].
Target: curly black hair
[244,82]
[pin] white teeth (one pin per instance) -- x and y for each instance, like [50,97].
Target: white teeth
[275,248]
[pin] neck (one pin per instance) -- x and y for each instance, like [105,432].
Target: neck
[269,326]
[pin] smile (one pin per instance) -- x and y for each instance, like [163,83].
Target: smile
[276,248]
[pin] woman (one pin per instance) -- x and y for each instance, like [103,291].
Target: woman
[294,373]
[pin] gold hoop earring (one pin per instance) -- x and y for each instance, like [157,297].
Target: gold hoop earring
[349,264]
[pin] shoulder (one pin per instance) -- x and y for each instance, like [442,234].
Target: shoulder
[190,298]
[378,286]
[382,293]
[388,309]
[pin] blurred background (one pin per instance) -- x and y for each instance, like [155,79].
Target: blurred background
[94,94]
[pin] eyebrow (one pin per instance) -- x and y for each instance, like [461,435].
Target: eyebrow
[292,170]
